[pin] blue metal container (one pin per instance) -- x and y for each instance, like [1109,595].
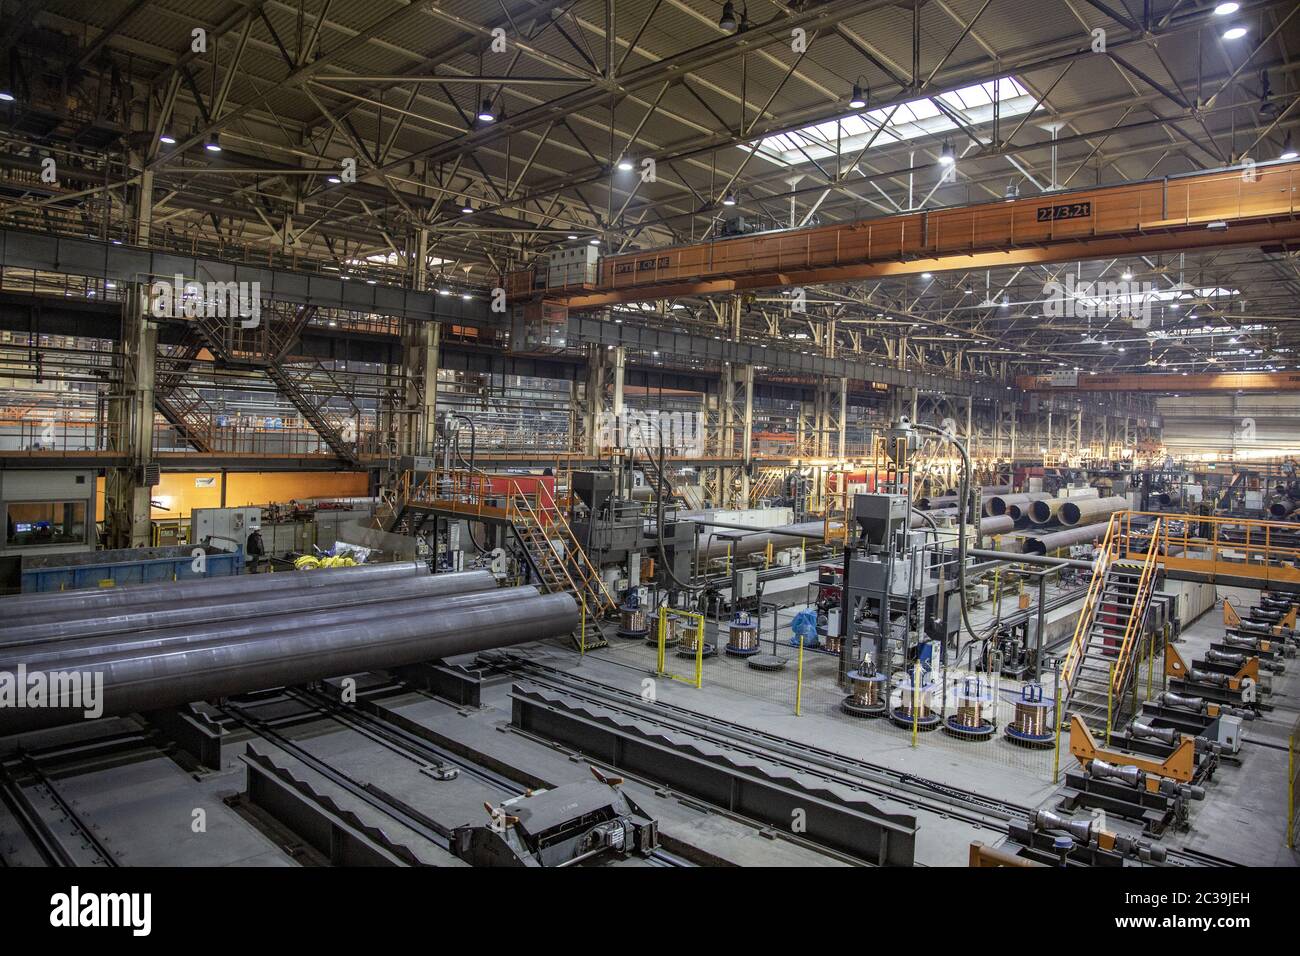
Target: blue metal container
[126,566]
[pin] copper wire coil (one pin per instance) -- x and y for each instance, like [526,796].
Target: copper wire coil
[865,691]
[743,638]
[689,637]
[632,620]
[834,643]
[1031,719]
[922,698]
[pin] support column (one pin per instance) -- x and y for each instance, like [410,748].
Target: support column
[128,489]
[418,421]
[593,401]
[842,435]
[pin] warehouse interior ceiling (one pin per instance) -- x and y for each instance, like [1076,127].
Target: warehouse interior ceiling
[539,118]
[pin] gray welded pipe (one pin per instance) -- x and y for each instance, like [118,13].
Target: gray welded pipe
[787,536]
[1166,498]
[220,668]
[999,525]
[1063,539]
[66,603]
[1001,504]
[950,500]
[1076,512]
[1045,510]
[58,655]
[1283,507]
[225,607]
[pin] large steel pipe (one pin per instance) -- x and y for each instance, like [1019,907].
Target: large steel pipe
[950,500]
[1000,504]
[786,536]
[1046,543]
[225,607]
[1083,511]
[67,603]
[151,681]
[999,525]
[55,655]
[1283,507]
[1045,510]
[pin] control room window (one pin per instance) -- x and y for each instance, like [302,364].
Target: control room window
[33,523]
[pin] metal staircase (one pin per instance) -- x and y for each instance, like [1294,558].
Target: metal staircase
[299,384]
[555,556]
[185,413]
[1099,668]
[561,564]
[309,387]
[650,468]
[764,486]
[190,414]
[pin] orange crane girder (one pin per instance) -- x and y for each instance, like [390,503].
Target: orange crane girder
[1243,206]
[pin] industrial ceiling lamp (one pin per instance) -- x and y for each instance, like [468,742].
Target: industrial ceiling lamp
[858,100]
[1127,274]
[1224,9]
[947,156]
[1235,32]
[165,137]
[467,207]
[625,165]
[729,199]
[1288,149]
[212,144]
[1013,190]
[728,19]
[6,96]
[485,112]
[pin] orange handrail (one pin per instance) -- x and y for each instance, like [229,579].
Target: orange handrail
[1105,555]
[1146,584]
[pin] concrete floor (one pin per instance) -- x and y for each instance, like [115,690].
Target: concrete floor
[142,805]
[1243,817]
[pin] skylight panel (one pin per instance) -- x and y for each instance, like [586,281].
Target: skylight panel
[881,127]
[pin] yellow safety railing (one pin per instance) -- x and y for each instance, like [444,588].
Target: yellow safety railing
[697,680]
[1132,630]
[763,486]
[473,493]
[1105,555]
[1263,552]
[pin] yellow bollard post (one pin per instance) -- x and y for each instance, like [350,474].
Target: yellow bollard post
[1110,702]
[662,632]
[699,653]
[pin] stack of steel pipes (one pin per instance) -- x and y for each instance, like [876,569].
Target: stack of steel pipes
[1014,506]
[949,500]
[157,646]
[717,539]
[1081,520]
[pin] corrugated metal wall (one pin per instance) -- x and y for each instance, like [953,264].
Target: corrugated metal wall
[1245,425]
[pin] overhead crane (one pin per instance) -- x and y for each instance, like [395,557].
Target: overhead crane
[1246,205]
